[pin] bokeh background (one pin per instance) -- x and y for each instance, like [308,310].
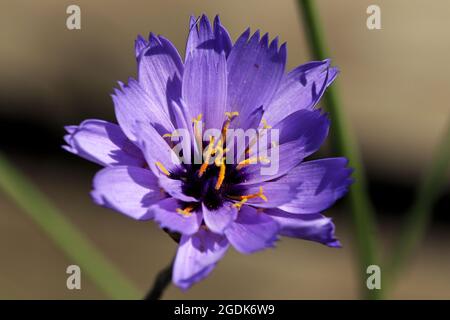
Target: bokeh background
[396,92]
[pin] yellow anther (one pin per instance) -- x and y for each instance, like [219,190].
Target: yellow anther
[265,125]
[243,199]
[197,119]
[209,152]
[252,160]
[226,124]
[167,135]
[238,205]
[197,133]
[162,168]
[221,176]
[186,211]
[231,115]
[259,134]
[259,194]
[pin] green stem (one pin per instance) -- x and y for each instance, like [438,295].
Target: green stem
[162,281]
[343,144]
[63,233]
[418,217]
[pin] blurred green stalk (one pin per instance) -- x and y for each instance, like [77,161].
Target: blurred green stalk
[64,234]
[343,144]
[417,218]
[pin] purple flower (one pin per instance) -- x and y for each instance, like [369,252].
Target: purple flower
[214,205]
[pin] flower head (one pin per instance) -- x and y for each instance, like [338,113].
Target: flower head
[210,192]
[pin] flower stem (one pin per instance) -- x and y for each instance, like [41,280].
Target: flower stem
[417,218]
[343,144]
[161,283]
[63,233]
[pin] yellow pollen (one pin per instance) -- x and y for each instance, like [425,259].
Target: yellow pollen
[197,133]
[243,199]
[167,135]
[186,211]
[259,135]
[252,160]
[231,115]
[226,124]
[197,119]
[238,205]
[259,194]
[162,168]
[221,176]
[265,125]
[209,152]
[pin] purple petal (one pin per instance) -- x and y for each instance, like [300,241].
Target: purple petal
[165,213]
[197,256]
[157,152]
[300,89]
[223,40]
[300,135]
[139,45]
[314,227]
[159,64]
[205,76]
[103,143]
[218,220]
[255,69]
[133,104]
[252,231]
[201,36]
[129,190]
[174,188]
[182,120]
[276,193]
[318,185]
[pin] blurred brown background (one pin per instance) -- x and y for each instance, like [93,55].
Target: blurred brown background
[394,85]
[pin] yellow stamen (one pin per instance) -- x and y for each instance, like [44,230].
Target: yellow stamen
[231,115]
[186,211]
[167,135]
[265,125]
[252,160]
[209,152]
[197,134]
[259,135]
[243,199]
[238,205]
[198,118]
[221,176]
[259,194]
[220,152]
[226,124]
[162,168]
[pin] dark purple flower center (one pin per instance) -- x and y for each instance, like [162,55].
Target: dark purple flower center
[214,182]
[203,187]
